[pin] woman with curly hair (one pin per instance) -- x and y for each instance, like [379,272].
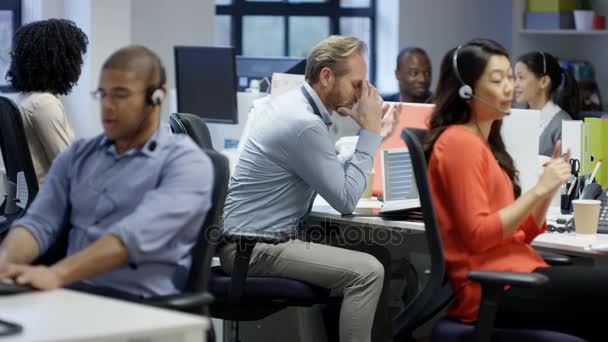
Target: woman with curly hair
[47,57]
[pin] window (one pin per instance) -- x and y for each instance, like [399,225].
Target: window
[293,27]
[10,20]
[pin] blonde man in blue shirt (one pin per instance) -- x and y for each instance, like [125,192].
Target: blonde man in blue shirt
[135,196]
[289,158]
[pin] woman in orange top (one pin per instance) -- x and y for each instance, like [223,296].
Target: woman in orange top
[485,223]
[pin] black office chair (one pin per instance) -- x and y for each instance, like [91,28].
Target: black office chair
[195,298]
[238,297]
[18,164]
[437,293]
[192,125]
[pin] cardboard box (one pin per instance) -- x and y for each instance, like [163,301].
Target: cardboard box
[551,5]
[549,20]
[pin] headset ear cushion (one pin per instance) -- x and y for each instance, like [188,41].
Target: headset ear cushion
[465,92]
[157,96]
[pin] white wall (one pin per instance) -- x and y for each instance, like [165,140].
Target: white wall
[438,25]
[161,24]
[387,33]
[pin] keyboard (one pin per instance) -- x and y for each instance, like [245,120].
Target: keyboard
[9,287]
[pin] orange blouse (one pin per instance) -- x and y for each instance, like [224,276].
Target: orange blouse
[469,188]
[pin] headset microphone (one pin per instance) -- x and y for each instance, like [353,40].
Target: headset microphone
[465,91]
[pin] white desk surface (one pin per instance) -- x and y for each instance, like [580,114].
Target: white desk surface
[571,243]
[65,315]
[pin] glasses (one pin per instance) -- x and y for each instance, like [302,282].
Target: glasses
[114,96]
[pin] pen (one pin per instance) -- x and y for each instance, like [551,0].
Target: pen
[572,186]
[594,173]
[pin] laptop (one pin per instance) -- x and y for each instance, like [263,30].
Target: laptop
[398,182]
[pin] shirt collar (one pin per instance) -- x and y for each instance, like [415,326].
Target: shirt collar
[148,148]
[325,116]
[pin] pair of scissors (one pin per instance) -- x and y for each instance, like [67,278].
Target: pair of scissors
[575,165]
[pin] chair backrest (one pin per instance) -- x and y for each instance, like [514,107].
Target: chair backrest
[17,161]
[192,125]
[210,234]
[435,294]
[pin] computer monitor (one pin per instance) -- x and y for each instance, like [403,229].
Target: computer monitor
[205,81]
[257,68]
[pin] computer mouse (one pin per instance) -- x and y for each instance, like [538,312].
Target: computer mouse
[9,287]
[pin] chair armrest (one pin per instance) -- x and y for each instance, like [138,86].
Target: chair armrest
[253,237]
[182,301]
[555,259]
[492,289]
[507,278]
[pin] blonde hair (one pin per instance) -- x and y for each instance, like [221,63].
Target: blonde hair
[332,53]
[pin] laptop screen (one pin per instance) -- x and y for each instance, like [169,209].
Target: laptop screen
[398,175]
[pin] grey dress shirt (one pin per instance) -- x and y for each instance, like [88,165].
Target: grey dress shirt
[288,158]
[153,198]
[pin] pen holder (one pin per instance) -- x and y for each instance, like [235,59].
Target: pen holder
[567,196]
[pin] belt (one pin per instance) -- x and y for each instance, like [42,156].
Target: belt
[226,242]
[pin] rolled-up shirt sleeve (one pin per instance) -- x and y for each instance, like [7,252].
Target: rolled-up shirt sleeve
[48,213]
[166,224]
[341,183]
[531,229]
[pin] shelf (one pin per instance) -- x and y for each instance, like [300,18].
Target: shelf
[565,32]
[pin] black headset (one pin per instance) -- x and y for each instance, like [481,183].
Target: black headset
[465,91]
[155,94]
[544,62]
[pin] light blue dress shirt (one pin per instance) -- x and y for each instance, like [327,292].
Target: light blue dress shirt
[153,198]
[288,158]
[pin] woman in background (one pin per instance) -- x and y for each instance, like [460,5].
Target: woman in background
[46,61]
[538,77]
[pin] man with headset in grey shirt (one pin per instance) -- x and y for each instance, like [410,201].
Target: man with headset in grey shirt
[289,157]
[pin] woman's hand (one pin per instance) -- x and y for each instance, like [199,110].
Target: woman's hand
[557,172]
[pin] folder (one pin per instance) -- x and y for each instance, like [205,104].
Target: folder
[572,138]
[595,147]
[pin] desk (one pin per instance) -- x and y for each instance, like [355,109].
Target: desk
[570,243]
[326,213]
[322,211]
[65,315]
[564,243]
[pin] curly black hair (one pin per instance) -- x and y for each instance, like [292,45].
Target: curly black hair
[47,56]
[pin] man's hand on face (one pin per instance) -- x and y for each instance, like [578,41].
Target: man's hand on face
[369,113]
